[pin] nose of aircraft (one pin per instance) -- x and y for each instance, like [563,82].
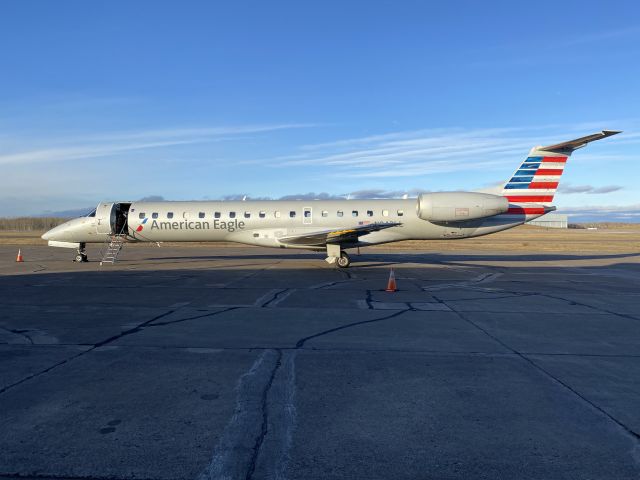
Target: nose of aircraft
[76,230]
[54,232]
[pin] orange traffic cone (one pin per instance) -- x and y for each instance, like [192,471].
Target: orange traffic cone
[391,285]
[19,259]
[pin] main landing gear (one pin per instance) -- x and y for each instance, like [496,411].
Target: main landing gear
[337,256]
[344,260]
[81,256]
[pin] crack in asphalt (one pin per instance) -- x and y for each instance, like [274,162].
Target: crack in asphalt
[272,301]
[472,282]
[368,299]
[573,302]
[554,378]
[84,352]
[20,333]
[350,278]
[300,343]
[238,447]
[264,428]
[180,320]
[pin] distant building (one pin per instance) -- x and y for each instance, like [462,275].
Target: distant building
[551,220]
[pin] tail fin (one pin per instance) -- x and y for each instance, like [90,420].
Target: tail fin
[532,187]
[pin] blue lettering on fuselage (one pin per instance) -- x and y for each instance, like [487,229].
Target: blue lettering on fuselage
[230,226]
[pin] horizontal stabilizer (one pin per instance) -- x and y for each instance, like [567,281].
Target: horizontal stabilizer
[571,145]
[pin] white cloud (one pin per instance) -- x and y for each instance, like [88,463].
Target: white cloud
[568,188]
[424,152]
[105,144]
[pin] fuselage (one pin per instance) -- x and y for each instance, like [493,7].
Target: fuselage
[264,223]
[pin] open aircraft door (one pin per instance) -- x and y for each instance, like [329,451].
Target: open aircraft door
[105,218]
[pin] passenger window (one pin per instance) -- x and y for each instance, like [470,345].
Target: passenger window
[216,215]
[369,213]
[262,214]
[169,214]
[201,215]
[276,214]
[292,214]
[141,215]
[154,215]
[247,214]
[325,213]
[354,213]
[340,213]
[385,213]
[400,213]
[232,214]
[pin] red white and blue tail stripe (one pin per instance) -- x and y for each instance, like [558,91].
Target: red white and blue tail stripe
[531,189]
[535,182]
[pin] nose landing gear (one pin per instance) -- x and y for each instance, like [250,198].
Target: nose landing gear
[81,256]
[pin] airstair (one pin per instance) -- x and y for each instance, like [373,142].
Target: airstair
[113,246]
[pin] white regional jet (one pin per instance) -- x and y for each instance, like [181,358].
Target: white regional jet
[328,225]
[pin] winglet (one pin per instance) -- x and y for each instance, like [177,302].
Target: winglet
[571,145]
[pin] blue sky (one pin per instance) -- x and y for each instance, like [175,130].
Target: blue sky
[204,100]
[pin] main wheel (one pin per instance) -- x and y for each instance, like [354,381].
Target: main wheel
[343,261]
[79,258]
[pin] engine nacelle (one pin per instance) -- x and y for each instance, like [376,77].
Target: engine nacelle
[459,206]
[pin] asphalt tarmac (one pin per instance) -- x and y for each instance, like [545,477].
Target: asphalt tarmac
[238,363]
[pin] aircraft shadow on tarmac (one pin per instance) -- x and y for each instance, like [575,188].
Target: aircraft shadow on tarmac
[404,257]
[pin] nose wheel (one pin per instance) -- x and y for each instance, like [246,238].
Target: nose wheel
[81,256]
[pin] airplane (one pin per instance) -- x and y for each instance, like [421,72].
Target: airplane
[331,226]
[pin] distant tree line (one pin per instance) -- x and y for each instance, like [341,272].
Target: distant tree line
[30,224]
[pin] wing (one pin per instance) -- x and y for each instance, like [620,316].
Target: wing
[338,236]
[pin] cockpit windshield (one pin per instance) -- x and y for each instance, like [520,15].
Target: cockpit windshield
[92,214]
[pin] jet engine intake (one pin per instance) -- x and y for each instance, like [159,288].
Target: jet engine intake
[459,206]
